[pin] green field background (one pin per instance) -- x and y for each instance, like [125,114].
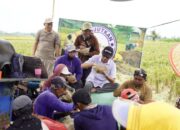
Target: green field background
[154,61]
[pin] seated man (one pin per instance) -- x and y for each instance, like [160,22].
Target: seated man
[92,116]
[47,102]
[73,64]
[22,115]
[103,73]
[139,85]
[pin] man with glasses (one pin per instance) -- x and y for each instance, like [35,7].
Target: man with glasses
[139,85]
[103,74]
[47,45]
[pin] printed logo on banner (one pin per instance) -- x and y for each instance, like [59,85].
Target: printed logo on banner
[105,37]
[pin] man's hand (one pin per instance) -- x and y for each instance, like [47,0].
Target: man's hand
[100,69]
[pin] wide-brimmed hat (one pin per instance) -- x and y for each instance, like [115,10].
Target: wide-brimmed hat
[86,26]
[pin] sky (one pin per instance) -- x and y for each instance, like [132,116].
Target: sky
[28,15]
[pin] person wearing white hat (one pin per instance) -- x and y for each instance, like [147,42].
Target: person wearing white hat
[47,45]
[88,45]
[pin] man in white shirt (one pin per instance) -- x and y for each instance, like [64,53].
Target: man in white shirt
[103,73]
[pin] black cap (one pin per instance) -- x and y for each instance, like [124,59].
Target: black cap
[141,73]
[108,51]
[58,82]
[81,96]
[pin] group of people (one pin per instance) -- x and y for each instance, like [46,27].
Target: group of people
[82,70]
[84,64]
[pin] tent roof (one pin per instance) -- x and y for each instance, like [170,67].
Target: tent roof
[139,13]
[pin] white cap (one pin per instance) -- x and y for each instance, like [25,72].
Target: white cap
[65,71]
[48,20]
[70,48]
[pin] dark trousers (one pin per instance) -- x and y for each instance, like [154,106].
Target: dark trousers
[108,87]
[86,72]
[77,85]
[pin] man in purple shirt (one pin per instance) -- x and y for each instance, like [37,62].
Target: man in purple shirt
[47,102]
[73,64]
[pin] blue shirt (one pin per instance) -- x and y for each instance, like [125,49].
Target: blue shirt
[98,118]
[47,102]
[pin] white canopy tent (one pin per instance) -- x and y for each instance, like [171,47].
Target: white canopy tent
[138,13]
[28,16]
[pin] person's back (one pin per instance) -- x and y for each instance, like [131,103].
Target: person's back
[91,116]
[22,115]
[97,118]
[47,102]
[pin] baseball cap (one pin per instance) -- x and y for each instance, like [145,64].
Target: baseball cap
[65,71]
[21,102]
[71,48]
[58,82]
[86,26]
[108,51]
[48,20]
[141,73]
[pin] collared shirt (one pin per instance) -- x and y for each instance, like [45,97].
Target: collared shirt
[98,79]
[46,44]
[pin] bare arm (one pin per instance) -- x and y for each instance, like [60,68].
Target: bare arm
[36,43]
[111,80]
[57,50]
[57,46]
[118,91]
[87,65]
[34,47]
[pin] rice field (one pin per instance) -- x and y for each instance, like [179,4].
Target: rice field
[154,61]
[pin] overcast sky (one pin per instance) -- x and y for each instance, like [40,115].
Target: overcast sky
[28,15]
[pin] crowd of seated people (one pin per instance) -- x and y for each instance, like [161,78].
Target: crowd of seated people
[76,76]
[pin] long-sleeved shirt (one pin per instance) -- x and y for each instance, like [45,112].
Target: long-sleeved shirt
[47,102]
[73,65]
[90,42]
[98,118]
